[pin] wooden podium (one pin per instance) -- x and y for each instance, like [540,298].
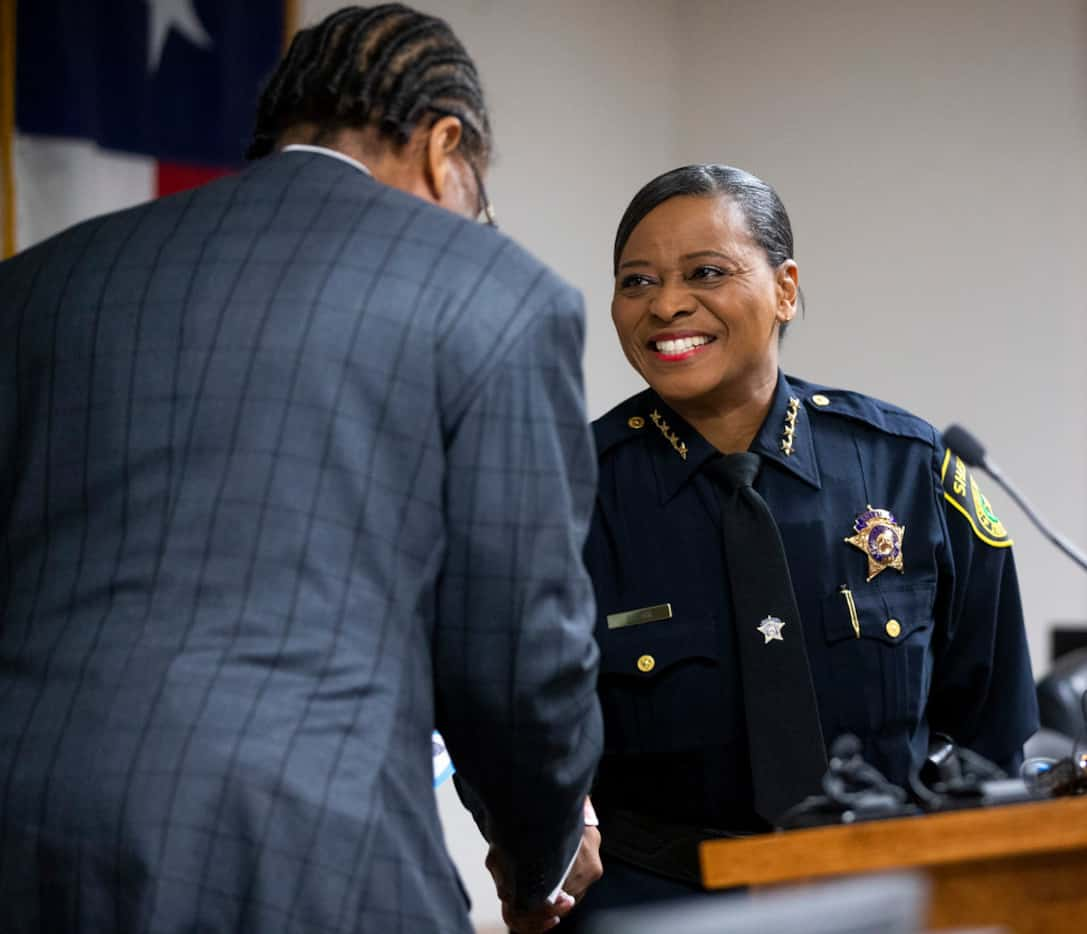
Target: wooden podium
[1023,866]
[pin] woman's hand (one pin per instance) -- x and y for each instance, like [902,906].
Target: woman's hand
[587,867]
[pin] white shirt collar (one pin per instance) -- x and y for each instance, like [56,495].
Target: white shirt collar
[324,151]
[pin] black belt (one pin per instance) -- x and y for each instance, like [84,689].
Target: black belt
[655,845]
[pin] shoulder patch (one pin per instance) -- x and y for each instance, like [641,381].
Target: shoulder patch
[962,492]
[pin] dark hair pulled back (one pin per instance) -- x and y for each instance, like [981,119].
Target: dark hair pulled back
[766,217]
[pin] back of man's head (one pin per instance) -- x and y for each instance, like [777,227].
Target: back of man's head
[386,69]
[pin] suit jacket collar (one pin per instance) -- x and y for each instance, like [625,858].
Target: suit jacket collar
[331,153]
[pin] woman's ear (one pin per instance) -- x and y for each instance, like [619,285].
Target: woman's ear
[442,142]
[788,290]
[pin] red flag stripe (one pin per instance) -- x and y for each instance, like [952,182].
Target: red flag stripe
[171,177]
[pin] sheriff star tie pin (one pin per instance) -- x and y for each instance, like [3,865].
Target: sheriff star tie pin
[771,629]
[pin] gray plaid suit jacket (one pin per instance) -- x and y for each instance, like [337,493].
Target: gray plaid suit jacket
[293,468]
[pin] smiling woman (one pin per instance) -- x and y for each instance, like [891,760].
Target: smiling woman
[701,324]
[757,592]
[705,285]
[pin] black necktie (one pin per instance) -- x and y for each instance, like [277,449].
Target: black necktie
[788,757]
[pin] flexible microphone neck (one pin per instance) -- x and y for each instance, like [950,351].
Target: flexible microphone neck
[972,452]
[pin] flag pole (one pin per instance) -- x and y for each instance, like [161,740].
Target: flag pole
[290,21]
[7,126]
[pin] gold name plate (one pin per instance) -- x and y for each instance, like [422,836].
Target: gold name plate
[647,614]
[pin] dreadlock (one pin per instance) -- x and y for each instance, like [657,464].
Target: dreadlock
[387,67]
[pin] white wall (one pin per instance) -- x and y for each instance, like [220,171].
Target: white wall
[932,156]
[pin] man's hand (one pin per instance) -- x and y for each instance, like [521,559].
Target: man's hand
[538,919]
[533,921]
[586,869]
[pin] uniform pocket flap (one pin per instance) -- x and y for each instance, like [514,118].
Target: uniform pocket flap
[890,616]
[645,651]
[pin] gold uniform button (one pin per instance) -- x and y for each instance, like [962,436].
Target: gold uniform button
[893,628]
[820,399]
[636,421]
[646,663]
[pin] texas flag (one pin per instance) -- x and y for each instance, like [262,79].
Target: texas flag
[119,101]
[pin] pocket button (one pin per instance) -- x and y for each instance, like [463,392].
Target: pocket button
[646,663]
[893,628]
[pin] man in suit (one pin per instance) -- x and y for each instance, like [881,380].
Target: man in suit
[294,468]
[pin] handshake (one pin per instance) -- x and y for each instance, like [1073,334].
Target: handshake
[585,869]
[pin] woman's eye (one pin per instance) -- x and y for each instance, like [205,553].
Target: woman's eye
[633,282]
[707,272]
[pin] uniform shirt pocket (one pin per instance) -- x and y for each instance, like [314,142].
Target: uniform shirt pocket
[878,645]
[660,685]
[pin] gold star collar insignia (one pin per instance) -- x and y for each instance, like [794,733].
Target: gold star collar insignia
[665,429]
[788,434]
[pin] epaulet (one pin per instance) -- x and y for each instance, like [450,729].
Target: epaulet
[623,423]
[962,492]
[865,409]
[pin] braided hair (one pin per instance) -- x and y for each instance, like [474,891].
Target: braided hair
[387,67]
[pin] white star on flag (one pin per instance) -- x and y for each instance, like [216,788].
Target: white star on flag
[166,15]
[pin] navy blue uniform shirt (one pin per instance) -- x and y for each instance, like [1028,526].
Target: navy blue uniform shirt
[937,647]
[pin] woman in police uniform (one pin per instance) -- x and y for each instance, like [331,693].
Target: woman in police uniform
[903,578]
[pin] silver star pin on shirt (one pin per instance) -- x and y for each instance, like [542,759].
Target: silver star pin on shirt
[771,629]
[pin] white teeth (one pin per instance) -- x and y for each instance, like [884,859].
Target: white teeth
[681,345]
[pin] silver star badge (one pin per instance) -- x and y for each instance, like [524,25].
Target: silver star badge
[771,629]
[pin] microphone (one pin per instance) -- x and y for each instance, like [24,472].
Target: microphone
[1066,776]
[972,452]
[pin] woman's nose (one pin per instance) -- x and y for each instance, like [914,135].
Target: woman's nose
[672,300]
